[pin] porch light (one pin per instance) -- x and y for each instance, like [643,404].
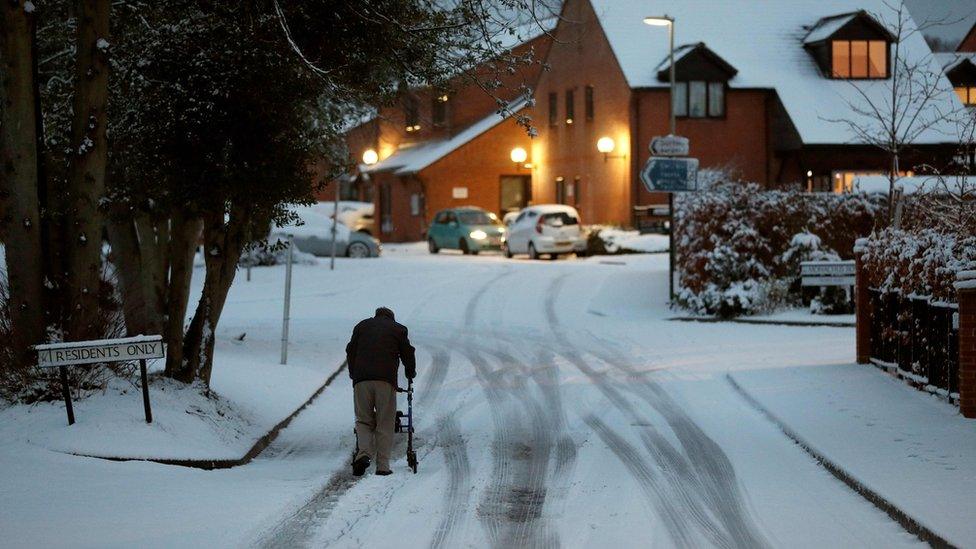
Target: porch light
[518,155]
[370,157]
[606,145]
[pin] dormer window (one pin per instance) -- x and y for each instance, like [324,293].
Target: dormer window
[852,46]
[859,59]
[960,68]
[701,79]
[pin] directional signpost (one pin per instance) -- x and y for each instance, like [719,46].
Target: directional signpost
[666,171]
[76,353]
[670,145]
[663,174]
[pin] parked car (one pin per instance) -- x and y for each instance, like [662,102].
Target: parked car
[314,235]
[468,229]
[358,216]
[551,229]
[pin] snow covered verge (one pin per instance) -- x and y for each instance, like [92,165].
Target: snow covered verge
[604,240]
[188,421]
[912,449]
[739,247]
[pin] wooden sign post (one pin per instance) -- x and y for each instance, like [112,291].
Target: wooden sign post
[77,353]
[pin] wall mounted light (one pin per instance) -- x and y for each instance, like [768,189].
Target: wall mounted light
[370,157]
[606,145]
[518,155]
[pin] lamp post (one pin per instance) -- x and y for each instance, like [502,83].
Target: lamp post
[668,21]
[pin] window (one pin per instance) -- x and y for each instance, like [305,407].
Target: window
[570,107]
[967,94]
[416,203]
[588,103]
[859,59]
[716,99]
[681,99]
[553,109]
[386,209]
[699,99]
[577,190]
[441,218]
[438,111]
[411,114]
[560,190]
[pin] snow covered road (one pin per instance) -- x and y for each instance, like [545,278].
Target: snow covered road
[556,406]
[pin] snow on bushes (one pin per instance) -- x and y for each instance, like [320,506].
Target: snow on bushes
[922,262]
[606,240]
[739,246]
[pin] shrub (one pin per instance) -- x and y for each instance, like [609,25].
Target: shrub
[920,262]
[739,246]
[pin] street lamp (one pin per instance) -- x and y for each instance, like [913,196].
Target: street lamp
[370,157]
[667,21]
[518,155]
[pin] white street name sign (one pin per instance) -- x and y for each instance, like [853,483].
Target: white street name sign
[109,350]
[670,145]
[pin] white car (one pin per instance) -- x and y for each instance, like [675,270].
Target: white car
[544,229]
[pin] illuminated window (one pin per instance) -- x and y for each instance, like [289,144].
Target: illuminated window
[967,94]
[570,107]
[411,114]
[859,59]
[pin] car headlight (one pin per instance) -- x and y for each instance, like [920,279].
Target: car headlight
[478,235]
[501,230]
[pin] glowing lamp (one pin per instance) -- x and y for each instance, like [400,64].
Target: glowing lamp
[518,155]
[605,145]
[370,157]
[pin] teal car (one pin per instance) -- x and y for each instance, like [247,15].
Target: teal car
[468,229]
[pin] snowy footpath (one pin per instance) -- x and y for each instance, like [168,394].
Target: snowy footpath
[556,406]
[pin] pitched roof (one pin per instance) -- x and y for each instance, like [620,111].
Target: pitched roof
[764,41]
[950,60]
[826,27]
[414,157]
[686,50]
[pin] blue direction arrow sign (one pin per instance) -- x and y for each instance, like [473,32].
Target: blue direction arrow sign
[662,174]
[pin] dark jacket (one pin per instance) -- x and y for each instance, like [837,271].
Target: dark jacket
[377,346]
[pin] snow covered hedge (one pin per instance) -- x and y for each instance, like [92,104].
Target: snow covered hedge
[920,262]
[739,247]
[607,240]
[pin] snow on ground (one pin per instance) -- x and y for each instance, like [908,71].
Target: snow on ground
[556,405]
[803,315]
[633,241]
[913,449]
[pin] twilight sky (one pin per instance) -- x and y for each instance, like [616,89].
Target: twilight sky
[955,9]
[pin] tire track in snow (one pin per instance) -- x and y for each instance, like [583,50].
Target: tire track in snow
[674,466]
[710,468]
[459,471]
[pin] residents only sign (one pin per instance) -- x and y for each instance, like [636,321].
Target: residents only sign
[91,352]
[663,174]
[669,145]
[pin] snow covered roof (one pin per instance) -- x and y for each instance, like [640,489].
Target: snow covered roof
[879,184]
[414,157]
[764,40]
[950,60]
[826,27]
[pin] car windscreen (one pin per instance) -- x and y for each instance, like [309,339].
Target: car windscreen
[566,218]
[478,218]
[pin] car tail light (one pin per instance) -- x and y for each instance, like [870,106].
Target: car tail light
[538,224]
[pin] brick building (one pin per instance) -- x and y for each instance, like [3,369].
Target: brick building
[759,88]
[437,149]
[762,90]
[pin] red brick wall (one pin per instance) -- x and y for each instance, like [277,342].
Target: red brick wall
[738,141]
[579,57]
[969,42]
[967,352]
[477,165]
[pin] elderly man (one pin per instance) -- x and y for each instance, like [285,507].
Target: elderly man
[374,353]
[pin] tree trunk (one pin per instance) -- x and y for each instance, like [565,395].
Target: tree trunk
[136,253]
[222,246]
[86,179]
[18,184]
[183,241]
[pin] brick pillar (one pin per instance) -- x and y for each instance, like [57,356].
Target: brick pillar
[862,308]
[967,343]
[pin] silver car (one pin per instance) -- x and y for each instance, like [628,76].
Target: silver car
[314,236]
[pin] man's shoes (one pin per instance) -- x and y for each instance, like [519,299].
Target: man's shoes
[383,473]
[360,465]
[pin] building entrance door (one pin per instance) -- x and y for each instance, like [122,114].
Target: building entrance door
[516,192]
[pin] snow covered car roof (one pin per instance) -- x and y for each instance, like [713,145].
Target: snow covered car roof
[553,208]
[764,41]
